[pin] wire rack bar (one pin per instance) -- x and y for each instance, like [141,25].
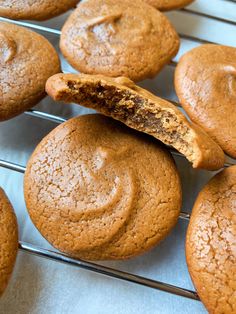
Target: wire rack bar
[31,25]
[216,18]
[12,166]
[107,271]
[58,32]
[184,216]
[186,10]
[45,116]
[196,39]
[233,1]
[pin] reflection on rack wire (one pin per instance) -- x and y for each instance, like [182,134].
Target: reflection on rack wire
[45,115]
[31,25]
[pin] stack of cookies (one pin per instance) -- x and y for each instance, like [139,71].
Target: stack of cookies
[104,186]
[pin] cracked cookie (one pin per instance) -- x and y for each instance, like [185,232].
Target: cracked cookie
[211,243]
[34,10]
[118,38]
[121,99]
[27,60]
[8,240]
[205,82]
[98,190]
[166,5]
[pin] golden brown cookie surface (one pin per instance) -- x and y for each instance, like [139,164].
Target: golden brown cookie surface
[211,243]
[121,99]
[166,5]
[27,60]
[118,38]
[8,240]
[96,189]
[205,82]
[34,10]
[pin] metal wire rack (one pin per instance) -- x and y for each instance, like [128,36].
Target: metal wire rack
[62,258]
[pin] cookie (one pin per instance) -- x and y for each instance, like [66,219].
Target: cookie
[8,240]
[121,99]
[118,38]
[211,243]
[94,191]
[27,60]
[205,84]
[166,5]
[34,10]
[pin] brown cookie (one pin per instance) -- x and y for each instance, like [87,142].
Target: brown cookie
[118,37]
[211,243]
[121,99]
[34,10]
[205,84]
[27,60]
[94,190]
[167,5]
[8,240]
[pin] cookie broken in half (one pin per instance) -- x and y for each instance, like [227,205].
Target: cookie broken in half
[122,100]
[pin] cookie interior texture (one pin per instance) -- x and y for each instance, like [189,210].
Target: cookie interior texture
[35,10]
[8,240]
[166,5]
[118,38]
[121,99]
[211,243]
[98,190]
[205,85]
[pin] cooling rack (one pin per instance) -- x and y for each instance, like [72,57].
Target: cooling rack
[62,258]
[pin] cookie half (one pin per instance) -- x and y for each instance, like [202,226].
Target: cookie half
[121,99]
[205,82]
[166,5]
[8,240]
[118,38]
[27,60]
[211,243]
[35,10]
[94,190]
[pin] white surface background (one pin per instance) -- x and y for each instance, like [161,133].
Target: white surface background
[40,286]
